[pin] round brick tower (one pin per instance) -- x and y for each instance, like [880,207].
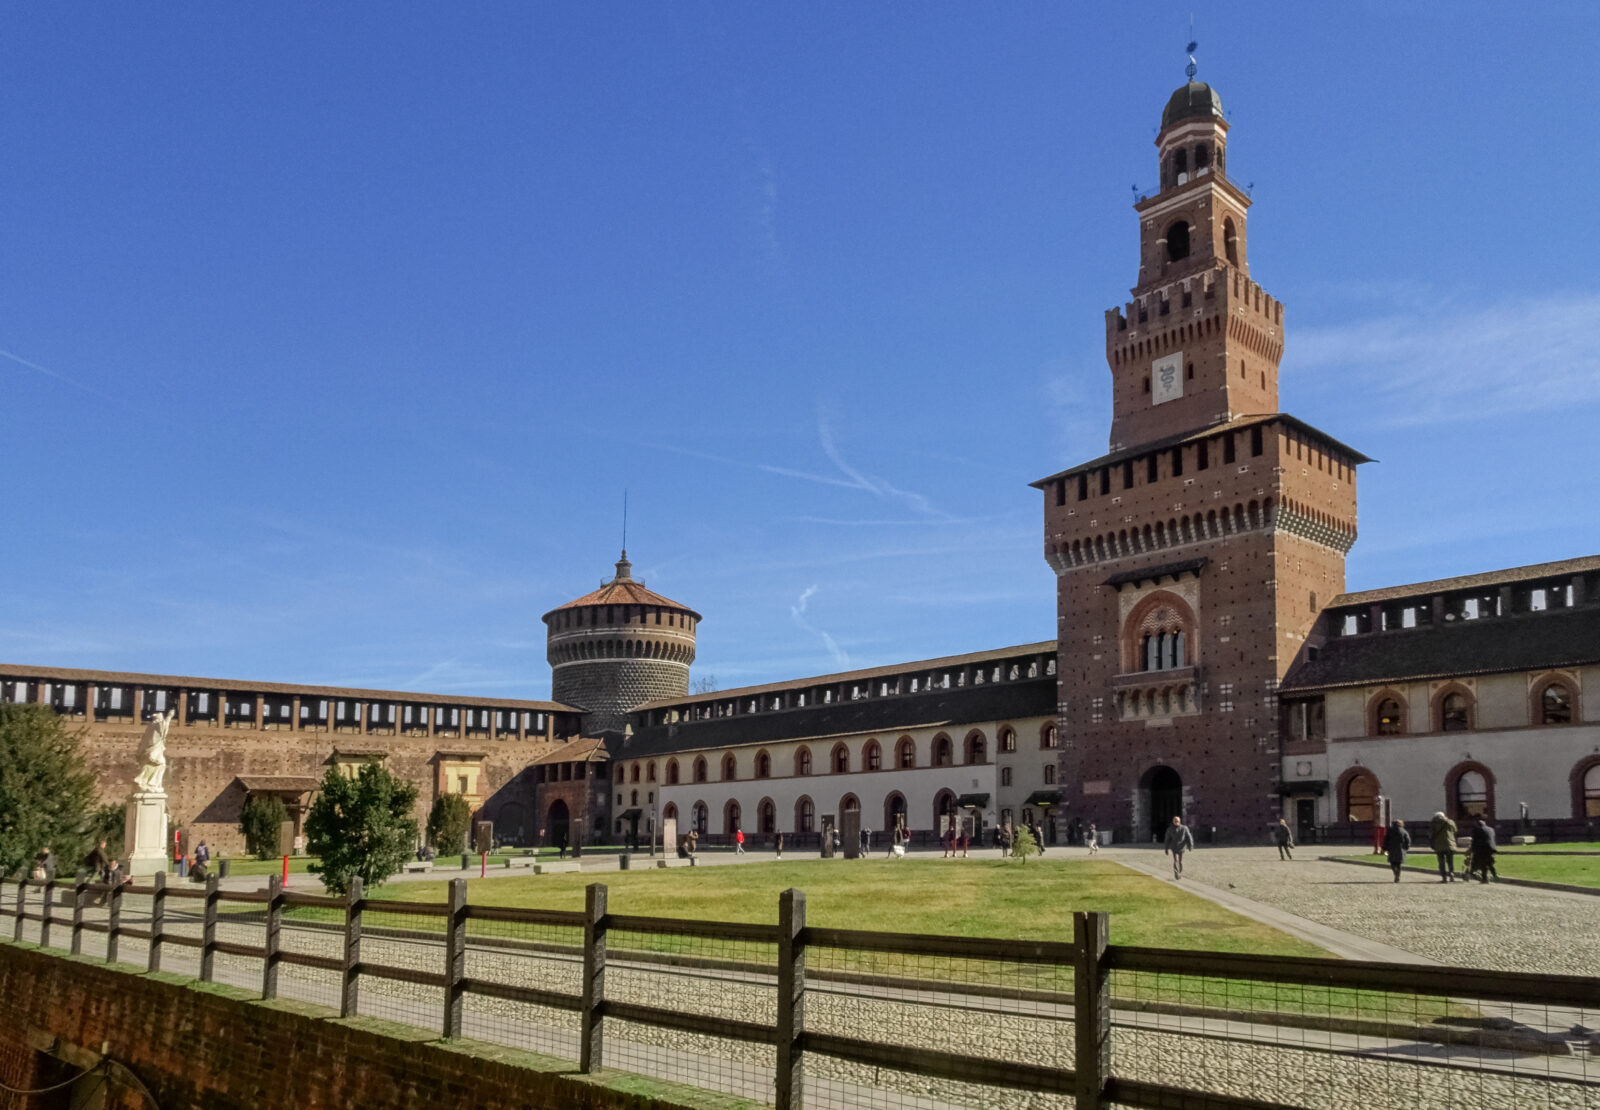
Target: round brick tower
[619,647]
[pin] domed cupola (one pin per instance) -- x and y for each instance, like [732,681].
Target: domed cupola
[619,647]
[1195,100]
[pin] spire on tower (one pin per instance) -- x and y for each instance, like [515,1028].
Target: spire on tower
[1191,69]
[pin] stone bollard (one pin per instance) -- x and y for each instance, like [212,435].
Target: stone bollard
[623,861]
[222,869]
[466,861]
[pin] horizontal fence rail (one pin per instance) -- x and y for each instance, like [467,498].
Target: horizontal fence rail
[796,1016]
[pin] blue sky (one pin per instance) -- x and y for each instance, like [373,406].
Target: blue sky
[330,336]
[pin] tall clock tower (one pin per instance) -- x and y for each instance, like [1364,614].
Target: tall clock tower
[1192,559]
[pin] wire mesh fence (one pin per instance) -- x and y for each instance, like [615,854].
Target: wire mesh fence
[795,1016]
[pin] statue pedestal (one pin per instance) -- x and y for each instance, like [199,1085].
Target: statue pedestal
[145,841]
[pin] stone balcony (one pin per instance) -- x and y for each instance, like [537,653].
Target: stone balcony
[1157,695]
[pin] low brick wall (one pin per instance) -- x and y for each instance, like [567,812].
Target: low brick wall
[200,1046]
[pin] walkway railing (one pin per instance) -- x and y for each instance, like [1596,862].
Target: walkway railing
[795,1016]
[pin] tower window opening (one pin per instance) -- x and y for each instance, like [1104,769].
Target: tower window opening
[1189,372]
[1061,497]
[1255,441]
[1177,461]
[1230,241]
[1105,481]
[1147,383]
[1188,298]
[1177,242]
[1166,306]
[1150,473]
[1202,455]
[1202,157]
[1083,487]
[1227,448]
[1127,474]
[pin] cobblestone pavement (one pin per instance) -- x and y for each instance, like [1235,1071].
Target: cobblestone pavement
[1500,927]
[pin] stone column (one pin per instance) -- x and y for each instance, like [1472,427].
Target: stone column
[89,694]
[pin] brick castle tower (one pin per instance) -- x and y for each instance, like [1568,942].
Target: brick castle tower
[618,647]
[1192,559]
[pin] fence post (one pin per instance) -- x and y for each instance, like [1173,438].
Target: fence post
[1091,1012]
[592,1051]
[270,943]
[791,998]
[158,917]
[80,891]
[44,912]
[22,900]
[455,957]
[350,990]
[208,929]
[113,922]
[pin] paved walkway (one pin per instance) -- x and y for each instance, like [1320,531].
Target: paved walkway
[1362,913]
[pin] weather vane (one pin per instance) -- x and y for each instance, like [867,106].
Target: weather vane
[1190,49]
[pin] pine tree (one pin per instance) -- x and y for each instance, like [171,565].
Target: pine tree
[362,827]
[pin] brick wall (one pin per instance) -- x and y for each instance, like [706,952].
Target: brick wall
[213,1049]
[608,688]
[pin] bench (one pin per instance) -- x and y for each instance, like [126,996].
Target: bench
[561,868]
[1524,839]
[522,861]
[417,865]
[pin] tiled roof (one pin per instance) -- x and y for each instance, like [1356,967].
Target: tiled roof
[1558,569]
[277,784]
[941,708]
[1492,645]
[135,678]
[1237,423]
[587,749]
[951,661]
[624,589]
[1153,574]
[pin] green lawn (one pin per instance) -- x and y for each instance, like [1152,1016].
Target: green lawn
[979,898]
[1571,870]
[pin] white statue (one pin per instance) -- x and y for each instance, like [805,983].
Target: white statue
[153,753]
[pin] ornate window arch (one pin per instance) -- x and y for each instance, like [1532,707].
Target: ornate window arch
[635,775]
[1159,634]
[1386,714]
[1008,739]
[672,772]
[944,805]
[700,771]
[669,812]
[905,753]
[730,767]
[1358,795]
[702,818]
[839,759]
[763,764]
[805,814]
[1469,791]
[895,811]
[872,756]
[802,760]
[942,751]
[849,804]
[1454,709]
[1554,701]
[650,771]
[731,817]
[1049,737]
[766,817]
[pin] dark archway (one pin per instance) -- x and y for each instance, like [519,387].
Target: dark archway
[894,812]
[558,823]
[1163,796]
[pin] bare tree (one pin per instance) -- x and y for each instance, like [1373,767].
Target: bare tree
[706,684]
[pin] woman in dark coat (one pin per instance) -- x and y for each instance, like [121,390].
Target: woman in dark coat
[1396,842]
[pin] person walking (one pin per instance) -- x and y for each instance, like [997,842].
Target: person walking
[1442,838]
[738,842]
[1283,839]
[778,844]
[1483,850]
[1038,836]
[1178,841]
[1004,833]
[98,864]
[1396,842]
[866,842]
[1092,838]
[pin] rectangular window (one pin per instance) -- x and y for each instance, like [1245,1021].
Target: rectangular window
[1255,440]
[1177,461]
[1005,776]
[1083,487]
[1049,774]
[1227,448]
[1150,468]
[1127,474]
[1202,455]
[1105,481]
[1061,492]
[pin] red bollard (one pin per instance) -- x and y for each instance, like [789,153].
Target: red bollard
[483,871]
[285,870]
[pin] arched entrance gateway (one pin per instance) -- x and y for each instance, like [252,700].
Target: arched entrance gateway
[556,824]
[1161,794]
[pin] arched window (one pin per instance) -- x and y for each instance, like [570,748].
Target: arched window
[1591,791]
[1178,238]
[1008,739]
[650,771]
[1361,797]
[669,812]
[700,769]
[894,811]
[730,817]
[1230,240]
[730,768]
[906,753]
[977,748]
[1048,737]
[1388,717]
[620,773]
[849,804]
[635,772]
[1455,712]
[763,765]
[840,759]
[805,815]
[872,756]
[1157,635]
[802,761]
[1554,704]
[941,751]
[1472,795]
[702,818]
[672,772]
[766,817]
